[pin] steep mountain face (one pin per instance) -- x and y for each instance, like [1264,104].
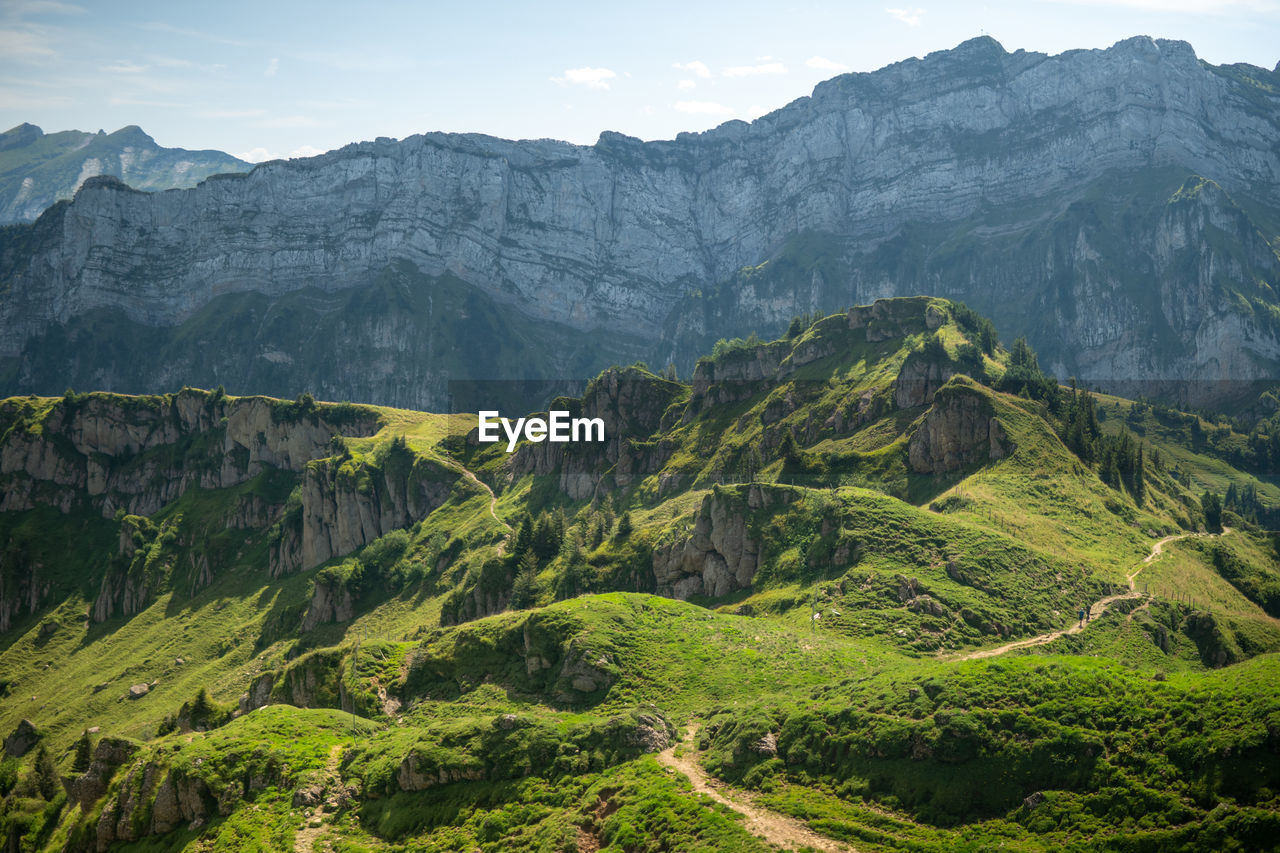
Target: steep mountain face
[38,168]
[1120,207]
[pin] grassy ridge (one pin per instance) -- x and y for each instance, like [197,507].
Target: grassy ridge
[492,675]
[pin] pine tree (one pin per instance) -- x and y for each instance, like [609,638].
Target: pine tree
[1211,504]
[1139,478]
[624,525]
[544,542]
[524,594]
[83,753]
[46,775]
[202,710]
[523,539]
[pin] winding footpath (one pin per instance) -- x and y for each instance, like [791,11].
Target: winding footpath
[778,829]
[788,832]
[1098,607]
[493,503]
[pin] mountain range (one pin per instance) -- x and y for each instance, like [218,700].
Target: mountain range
[1120,208]
[38,168]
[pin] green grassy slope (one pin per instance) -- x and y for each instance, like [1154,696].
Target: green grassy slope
[496,672]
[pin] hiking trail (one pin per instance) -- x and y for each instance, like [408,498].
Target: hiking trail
[493,503]
[782,830]
[315,825]
[1096,609]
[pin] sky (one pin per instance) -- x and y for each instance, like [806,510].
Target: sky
[276,78]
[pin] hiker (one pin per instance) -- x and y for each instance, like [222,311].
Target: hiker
[1088,614]
[1081,617]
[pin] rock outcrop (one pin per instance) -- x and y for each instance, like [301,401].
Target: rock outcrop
[109,755]
[348,504]
[877,184]
[721,554]
[140,453]
[960,429]
[631,404]
[22,739]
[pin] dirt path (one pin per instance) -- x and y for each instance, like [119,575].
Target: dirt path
[305,840]
[1097,608]
[493,503]
[779,829]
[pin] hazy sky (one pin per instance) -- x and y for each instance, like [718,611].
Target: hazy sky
[273,78]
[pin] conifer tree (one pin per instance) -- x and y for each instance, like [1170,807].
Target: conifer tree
[524,594]
[46,775]
[83,756]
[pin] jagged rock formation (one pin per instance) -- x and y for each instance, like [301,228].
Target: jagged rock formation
[720,554]
[347,505]
[22,739]
[140,453]
[108,756]
[959,429]
[42,168]
[631,404]
[106,454]
[1106,203]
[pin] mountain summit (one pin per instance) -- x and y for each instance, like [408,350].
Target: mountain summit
[1119,207]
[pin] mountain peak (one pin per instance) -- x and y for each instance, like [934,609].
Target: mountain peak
[131,134]
[20,136]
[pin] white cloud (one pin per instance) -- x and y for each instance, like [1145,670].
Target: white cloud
[229,114]
[272,67]
[259,155]
[910,17]
[755,70]
[130,101]
[823,64]
[696,68]
[592,78]
[123,66]
[21,99]
[686,84]
[26,44]
[710,108]
[290,121]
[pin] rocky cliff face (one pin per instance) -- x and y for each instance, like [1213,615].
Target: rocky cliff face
[721,554]
[346,505]
[140,453]
[959,429]
[128,457]
[631,403]
[973,173]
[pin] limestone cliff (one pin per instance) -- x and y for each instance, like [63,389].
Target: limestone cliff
[346,504]
[721,553]
[631,403]
[111,452]
[1042,190]
[959,429]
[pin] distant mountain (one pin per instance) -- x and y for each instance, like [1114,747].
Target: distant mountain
[38,168]
[1119,207]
